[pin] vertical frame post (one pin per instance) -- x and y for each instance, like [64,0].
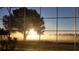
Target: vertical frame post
[24,24]
[57,25]
[75,31]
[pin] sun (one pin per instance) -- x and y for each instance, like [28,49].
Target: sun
[32,35]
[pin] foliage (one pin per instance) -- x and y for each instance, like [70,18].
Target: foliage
[24,18]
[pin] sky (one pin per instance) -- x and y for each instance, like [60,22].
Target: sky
[48,13]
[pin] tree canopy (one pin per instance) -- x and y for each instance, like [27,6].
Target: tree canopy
[32,20]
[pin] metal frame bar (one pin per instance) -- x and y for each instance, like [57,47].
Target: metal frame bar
[57,25]
[75,31]
[24,24]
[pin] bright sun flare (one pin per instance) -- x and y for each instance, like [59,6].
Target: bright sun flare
[32,35]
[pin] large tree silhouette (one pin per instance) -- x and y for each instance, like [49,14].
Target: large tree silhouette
[32,20]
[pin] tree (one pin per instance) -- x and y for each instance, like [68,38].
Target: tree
[32,20]
[3,33]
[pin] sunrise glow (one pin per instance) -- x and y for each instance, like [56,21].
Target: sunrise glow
[32,35]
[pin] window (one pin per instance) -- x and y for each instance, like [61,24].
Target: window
[49,35]
[48,12]
[77,23]
[77,12]
[66,12]
[66,36]
[50,24]
[66,24]
[77,32]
